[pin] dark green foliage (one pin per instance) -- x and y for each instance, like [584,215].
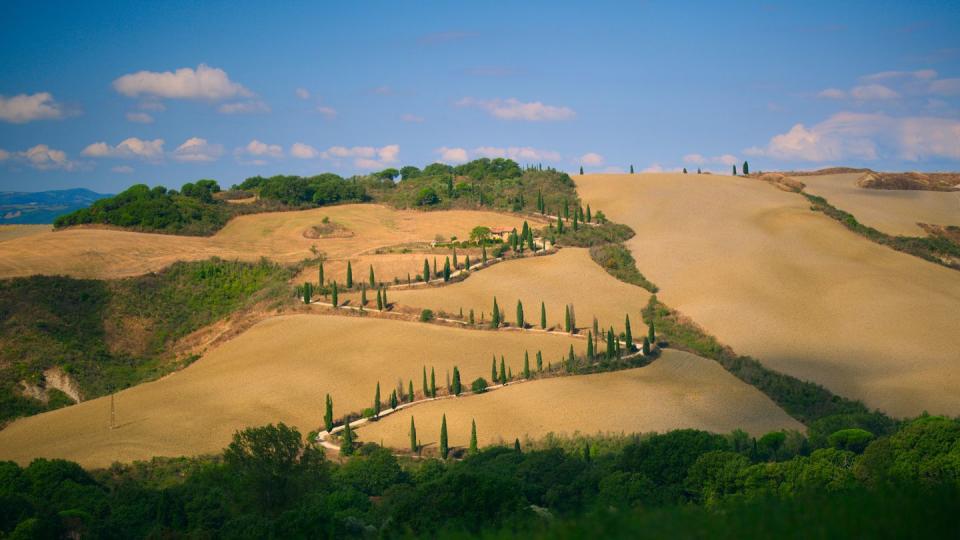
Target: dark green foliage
[376,402]
[595,235]
[526,365]
[347,443]
[571,361]
[426,389]
[746,168]
[59,321]
[520,323]
[617,260]
[493,370]
[297,191]
[938,249]
[852,439]
[631,169]
[567,326]
[410,395]
[393,400]
[349,275]
[539,361]
[503,371]
[444,448]
[479,385]
[373,282]
[433,383]
[426,315]
[321,282]
[328,414]
[543,316]
[473,438]
[734,169]
[628,336]
[446,269]
[307,292]
[456,386]
[646,346]
[379,300]
[611,347]
[426,270]
[590,352]
[414,444]
[495,315]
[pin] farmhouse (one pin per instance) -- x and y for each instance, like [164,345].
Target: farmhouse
[501,232]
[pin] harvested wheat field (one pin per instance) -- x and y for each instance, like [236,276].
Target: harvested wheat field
[9,232]
[281,236]
[278,371]
[769,277]
[893,211]
[679,390]
[569,276]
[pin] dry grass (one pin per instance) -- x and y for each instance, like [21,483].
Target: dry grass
[568,277]
[679,390]
[102,253]
[792,287]
[9,232]
[278,371]
[894,212]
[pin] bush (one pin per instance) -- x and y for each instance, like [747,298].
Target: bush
[854,439]
[426,315]
[617,260]
[427,196]
[479,386]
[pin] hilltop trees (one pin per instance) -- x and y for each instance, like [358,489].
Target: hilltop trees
[581,170]
[684,170]
[734,169]
[444,448]
[631,168]
[746,168]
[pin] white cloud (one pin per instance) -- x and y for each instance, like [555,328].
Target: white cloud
[139,117]
[259,149]
[122,169]
[452,155]
[185,83]
[513,109]
[128,148]
[24,108]
[412,118]
[945,87]
[302,93]
[872,91]
[832,93]
[303,151]
[44,158]
[591,158]
[696,159]
[327,112]
[364,157]
[244,107]
[923,74]
[517,153]
[867,136]
[196,149]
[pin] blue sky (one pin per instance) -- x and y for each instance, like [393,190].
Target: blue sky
[103,95]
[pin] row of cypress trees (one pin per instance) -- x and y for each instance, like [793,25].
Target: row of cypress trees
[444,441]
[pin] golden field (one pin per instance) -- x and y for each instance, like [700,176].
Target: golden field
[280,236]
[792,287]
[10,232]
[569,276]
[678,390]
[893,211]
[278,371]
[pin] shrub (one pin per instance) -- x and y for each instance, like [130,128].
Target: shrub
[426,315]
[479,386]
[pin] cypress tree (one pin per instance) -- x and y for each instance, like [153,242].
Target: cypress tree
[746,168]
[611,347]
[516,445]
[426,389]
[426,271]
[346,446]
[473,437]
[576,224]
[650,334]
[543,315]
[413,436]
[509,373]
[581,170]
[526,365]
[559,225]
[520,314]
[393,399]
[379,300]
[435,274]
[410,395]
[484,254]
[321,274]
[493,370]
[307,292]
[698,170]
[539,361]
[589,215]
[446,270]
[376,402]
[631,169]
[589,345]
[466,264]
[471,317]
[349,276]
[328,414]
[540,201]
[455,259]
[363,294]
[503,371]
[566,209]
[734,169]
[457,387]
[684,170]
[385,303]
[646,346]
[433,383]
[526,231]
[333,294]
[571,360]
[449,387]
[596,327]
[373,282]
[628,337]
[444,449]
[495,317]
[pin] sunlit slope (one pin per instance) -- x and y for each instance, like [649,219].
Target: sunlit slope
[279,236]
[790,286]
[278,371]
[893,211]
[679,390]
[567,277]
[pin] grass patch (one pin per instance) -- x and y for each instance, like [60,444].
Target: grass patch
[806,401]
[619,263]
[108,335]
[939,249]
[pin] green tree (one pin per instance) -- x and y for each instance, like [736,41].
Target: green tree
[484,253]
[393,400]
[503,371]
[473,438]
[650,333]
[611,346]
[444,449]
[520,314]
[471,320]
[746,168]
[466,263]
[385,303]
[376,402]
[455,259]
[426,389]
[446,270]
[539,361]
[516,445]
[349,276]
[321,274]
[526,365]
[581,170]
[631,169]
[589,345]
[433,383]
[684,170]
[571,360]
[363,294]
[628,336]
[307,292]
[734,169]
[379,301]
[456,386]
[373,282]
[543,315]
[333,295]
[589,215]
[495,316]
[568,327]
[493,370]
[328,414]
[559,225]
[346,444]
[646,346]
[410,395]
[426,271]
[414,447]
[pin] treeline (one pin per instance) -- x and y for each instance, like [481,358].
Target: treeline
[81,325]
[269,482]
[319,190]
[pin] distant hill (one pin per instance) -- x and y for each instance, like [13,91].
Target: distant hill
[43,206]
